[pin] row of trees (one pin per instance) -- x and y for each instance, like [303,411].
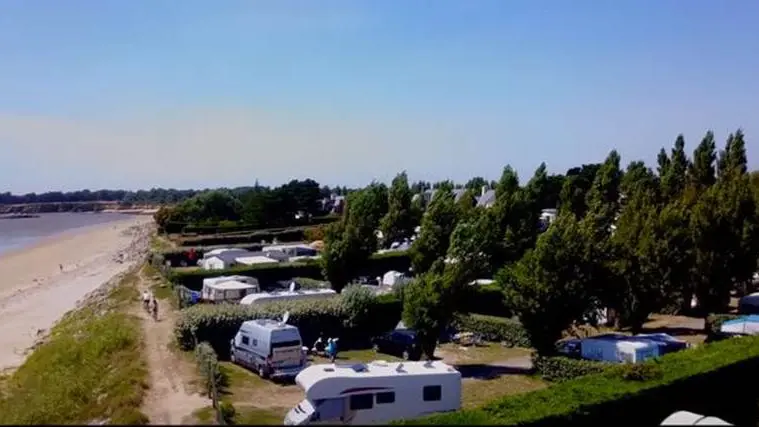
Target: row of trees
[152,196]
[634,242]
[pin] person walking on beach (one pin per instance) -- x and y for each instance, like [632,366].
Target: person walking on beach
[60,266]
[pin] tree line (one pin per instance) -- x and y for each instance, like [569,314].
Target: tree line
[632,242]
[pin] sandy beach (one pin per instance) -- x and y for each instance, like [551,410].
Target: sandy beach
[35,292]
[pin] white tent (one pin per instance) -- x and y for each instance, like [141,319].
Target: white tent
[745,325]
[685,418]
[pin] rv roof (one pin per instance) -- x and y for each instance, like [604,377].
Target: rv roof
[379,368]
[231,284]
[270,324]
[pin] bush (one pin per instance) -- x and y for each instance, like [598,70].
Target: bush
[704,380]
[228,412]
[236,227]
[714,322]
[560,368]
[271,273]
[312,234]
[218,324]
[496,329]
[208,366]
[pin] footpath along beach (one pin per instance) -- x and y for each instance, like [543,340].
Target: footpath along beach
[35,291]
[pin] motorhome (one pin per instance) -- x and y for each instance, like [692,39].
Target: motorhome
[376,392]
[269,347]
[288,295]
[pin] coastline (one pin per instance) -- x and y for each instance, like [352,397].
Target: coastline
[35,293]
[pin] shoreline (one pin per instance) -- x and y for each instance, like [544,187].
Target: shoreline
[35,293]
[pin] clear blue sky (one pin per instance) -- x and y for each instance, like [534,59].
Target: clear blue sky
[142,93]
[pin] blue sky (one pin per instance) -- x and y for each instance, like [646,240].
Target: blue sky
[143,93]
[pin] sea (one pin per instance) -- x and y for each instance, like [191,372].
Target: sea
[19,233]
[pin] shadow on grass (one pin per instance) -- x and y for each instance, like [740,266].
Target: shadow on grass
[482,371]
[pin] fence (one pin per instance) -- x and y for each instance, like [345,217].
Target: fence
[208,365]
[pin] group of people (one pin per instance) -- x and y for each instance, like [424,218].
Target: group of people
[327,347]
[149,303]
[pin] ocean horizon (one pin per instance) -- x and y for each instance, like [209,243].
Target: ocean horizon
[20,233]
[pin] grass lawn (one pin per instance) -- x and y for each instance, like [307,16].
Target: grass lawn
[89,368]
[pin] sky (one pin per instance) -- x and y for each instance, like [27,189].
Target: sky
[198,93]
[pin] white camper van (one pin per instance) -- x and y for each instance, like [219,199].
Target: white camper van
[616,349]
[269,347]
[373,393]
[287,296]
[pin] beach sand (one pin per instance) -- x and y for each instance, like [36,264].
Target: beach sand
[35,292]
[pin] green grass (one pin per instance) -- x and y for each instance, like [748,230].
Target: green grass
[89,368]
[572,397]
[258,416]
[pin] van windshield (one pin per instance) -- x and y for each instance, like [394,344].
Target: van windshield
[293,343]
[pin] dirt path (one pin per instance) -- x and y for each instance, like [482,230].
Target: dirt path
[170,399]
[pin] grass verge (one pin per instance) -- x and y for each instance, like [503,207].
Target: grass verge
[89,368]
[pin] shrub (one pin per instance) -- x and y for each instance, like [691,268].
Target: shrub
[701,380]
[560,368]
[497,329]
[358,302]
[270,273]
[217,324]
[715,321]
[312,234]
[642,371]
[228,412]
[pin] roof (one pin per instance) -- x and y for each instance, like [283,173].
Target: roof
[244,279]
[487,198]
[231,284]
[259,259]
[284,294]
[229,256]
[270,324]
[377,369]
[751,318]
[222,251]
[284,247]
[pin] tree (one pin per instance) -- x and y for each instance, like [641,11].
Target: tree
[475,184]
[548,288]
[466,205]
[701,173]
[398,223]
[437,225]
[673,180]
[429,304]
[575,188]
[472,243]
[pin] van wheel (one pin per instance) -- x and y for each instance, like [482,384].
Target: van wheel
[263,372]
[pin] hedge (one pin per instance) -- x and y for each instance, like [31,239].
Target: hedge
[179,255]
[492,328]
[378,265]
[238,227]
[714,379]
[217,324]
[290,234]
[560,368]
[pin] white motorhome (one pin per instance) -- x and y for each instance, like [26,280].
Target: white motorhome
[376,392]
[287,296]
[269,347]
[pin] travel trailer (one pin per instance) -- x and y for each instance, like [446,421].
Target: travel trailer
[229,291]
[685,418]
[269,347]
[613,348]
[375,393]
[288,295]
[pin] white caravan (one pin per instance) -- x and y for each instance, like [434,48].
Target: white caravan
[617,349]
[287,295]
[375,393]
[228,288]
[269,347]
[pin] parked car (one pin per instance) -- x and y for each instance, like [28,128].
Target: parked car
[400,342]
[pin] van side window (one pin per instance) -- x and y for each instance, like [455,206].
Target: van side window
[361,401]
[431,393]
[245,340]
[386,397]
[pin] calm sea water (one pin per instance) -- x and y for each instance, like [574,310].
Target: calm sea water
[19,233]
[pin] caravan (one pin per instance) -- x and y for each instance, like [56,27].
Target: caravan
[288,295]
[228,288]
[269,347]
[375,393]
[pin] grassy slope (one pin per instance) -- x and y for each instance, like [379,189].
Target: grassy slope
[571,396]
[89,368]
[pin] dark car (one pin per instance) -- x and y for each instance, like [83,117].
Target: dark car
[400,342]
